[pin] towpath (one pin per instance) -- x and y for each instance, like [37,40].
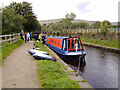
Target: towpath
[19,70]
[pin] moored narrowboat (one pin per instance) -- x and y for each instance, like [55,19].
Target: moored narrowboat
[67,46]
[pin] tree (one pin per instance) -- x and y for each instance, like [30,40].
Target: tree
[44,25]
[106,22]
[30,20]
[67,20]
[70,16]
[80,25]
[96,24]
[63,24]
[11,22]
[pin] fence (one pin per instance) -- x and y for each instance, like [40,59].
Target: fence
[115,30]
[11,38]
[91,30]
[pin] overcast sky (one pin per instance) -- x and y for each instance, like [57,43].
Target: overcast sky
[97,10]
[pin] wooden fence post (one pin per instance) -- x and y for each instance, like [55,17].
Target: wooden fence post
[10,38]
[12,35]
[16,37]
[5,37]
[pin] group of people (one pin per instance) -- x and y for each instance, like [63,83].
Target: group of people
[37,36]
[28,36]
[41,37]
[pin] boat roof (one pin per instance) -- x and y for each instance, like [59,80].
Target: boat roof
[58,37]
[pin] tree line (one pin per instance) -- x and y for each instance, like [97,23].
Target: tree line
[66,24]
[18,16]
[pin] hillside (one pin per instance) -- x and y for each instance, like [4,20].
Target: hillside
[75,21]
[57,20]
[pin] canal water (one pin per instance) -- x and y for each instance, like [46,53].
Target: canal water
[101,68]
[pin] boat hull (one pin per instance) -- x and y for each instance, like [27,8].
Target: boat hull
[66,53]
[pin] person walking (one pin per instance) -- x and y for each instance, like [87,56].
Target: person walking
[40,37]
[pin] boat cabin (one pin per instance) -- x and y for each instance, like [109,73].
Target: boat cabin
[66,43]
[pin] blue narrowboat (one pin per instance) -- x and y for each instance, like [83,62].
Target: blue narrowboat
[67,46]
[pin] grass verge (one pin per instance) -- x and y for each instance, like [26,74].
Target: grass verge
[51,75]
[7,49]
[113,43]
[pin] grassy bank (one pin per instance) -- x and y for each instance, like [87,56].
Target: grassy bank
[109,39]
[7,49]
[108,43]
[51,75]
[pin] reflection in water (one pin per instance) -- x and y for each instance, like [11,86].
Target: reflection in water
[82,65]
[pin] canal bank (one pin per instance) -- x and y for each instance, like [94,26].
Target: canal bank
[102,47]
[71,73]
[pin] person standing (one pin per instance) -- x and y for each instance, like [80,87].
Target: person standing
[21,34]
[25,37]
[40,37]
[28,36]
[43,38]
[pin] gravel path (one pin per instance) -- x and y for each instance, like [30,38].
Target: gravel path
[19,69]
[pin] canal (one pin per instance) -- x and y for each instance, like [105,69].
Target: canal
[101,69]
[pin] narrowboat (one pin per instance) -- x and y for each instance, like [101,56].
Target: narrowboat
[67,46]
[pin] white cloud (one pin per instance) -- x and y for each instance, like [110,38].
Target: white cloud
[54,9]
[83,7]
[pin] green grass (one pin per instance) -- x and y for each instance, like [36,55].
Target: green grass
[108,43]
[83,81]
[51,74]
[41,46]
[4,43]
[7,49]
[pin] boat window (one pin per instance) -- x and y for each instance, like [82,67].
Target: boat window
[64,45]
[59,43]
[55,42]
[79,44]
[72,44]
[68,44]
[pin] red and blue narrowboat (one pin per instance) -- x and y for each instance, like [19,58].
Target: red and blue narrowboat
[67,46]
